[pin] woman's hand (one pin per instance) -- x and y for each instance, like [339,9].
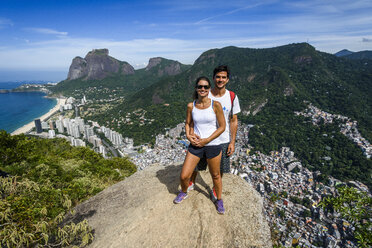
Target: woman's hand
[193,138]
[201,142]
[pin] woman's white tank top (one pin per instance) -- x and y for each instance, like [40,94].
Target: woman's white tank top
[205,123]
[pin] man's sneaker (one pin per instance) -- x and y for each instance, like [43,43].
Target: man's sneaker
[180,197]
[213,195]
[219,206]
[191,186]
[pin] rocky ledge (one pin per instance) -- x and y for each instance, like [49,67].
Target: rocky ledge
[139,212]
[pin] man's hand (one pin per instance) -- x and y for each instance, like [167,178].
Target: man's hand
[230,149]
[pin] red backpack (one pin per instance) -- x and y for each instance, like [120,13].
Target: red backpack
[232,98]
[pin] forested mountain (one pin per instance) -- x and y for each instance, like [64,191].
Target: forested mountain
[271,84]
[354,55]
[360,55]
[295,71]
[343,52]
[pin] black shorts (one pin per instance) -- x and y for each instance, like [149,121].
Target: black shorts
[205,151]
[225,161]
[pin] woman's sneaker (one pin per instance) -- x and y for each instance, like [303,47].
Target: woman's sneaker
[180,197]
[191,186]
[219,206]
[213,195]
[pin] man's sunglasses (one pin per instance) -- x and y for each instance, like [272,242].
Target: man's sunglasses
[199,87]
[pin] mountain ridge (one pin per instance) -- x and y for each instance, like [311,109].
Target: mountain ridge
[354,55]
[97,64]
[98,69]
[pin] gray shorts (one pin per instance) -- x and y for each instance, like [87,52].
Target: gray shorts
[225,161]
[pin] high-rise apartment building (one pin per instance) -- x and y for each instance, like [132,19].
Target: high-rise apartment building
[51,125]
[59,126]
[44,125]
[38,126]
[51,134]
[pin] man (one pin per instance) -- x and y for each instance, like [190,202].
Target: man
[231,107]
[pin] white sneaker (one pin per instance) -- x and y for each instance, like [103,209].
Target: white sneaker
[213,195]
[191,186]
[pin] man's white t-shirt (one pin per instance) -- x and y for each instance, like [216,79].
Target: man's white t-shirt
[225,101]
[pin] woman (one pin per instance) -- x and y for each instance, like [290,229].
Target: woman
[205,121]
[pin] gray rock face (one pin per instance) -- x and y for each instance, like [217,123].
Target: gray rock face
[153,62]
[139,212]
[127,69]
[78,69]
[172,69]
[97,64]
[100,64]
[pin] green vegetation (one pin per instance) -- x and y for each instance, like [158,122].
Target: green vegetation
[47,179]
[355,207]
[334,84]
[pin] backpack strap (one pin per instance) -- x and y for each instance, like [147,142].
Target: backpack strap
[232,98]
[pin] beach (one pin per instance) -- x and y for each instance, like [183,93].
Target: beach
[26,128]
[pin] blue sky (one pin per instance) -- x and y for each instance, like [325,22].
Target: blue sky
[39,39]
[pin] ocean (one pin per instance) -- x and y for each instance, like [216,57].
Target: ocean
[20,108]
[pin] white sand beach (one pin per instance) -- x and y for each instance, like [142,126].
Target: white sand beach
[26,128]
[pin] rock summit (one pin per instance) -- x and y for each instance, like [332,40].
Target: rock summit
[139,212]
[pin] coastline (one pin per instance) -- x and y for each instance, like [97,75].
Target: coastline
[26,128]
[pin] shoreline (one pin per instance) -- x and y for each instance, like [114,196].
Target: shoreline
[27,128]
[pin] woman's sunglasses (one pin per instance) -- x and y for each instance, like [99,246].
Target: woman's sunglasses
[199,87]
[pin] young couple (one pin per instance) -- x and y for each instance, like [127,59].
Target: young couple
[211,126]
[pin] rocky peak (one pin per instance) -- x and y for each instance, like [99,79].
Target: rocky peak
[343,52]
[103,51]
[128,214]
[166,67]
[100,64]
[97,64]
[153,62]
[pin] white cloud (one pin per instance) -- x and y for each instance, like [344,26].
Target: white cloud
[58,54]
[330,6]
[232,12]
[47,31]
[4,22]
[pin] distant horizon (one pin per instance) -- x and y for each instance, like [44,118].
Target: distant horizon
[27,81]
[30,76]
[60,75]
